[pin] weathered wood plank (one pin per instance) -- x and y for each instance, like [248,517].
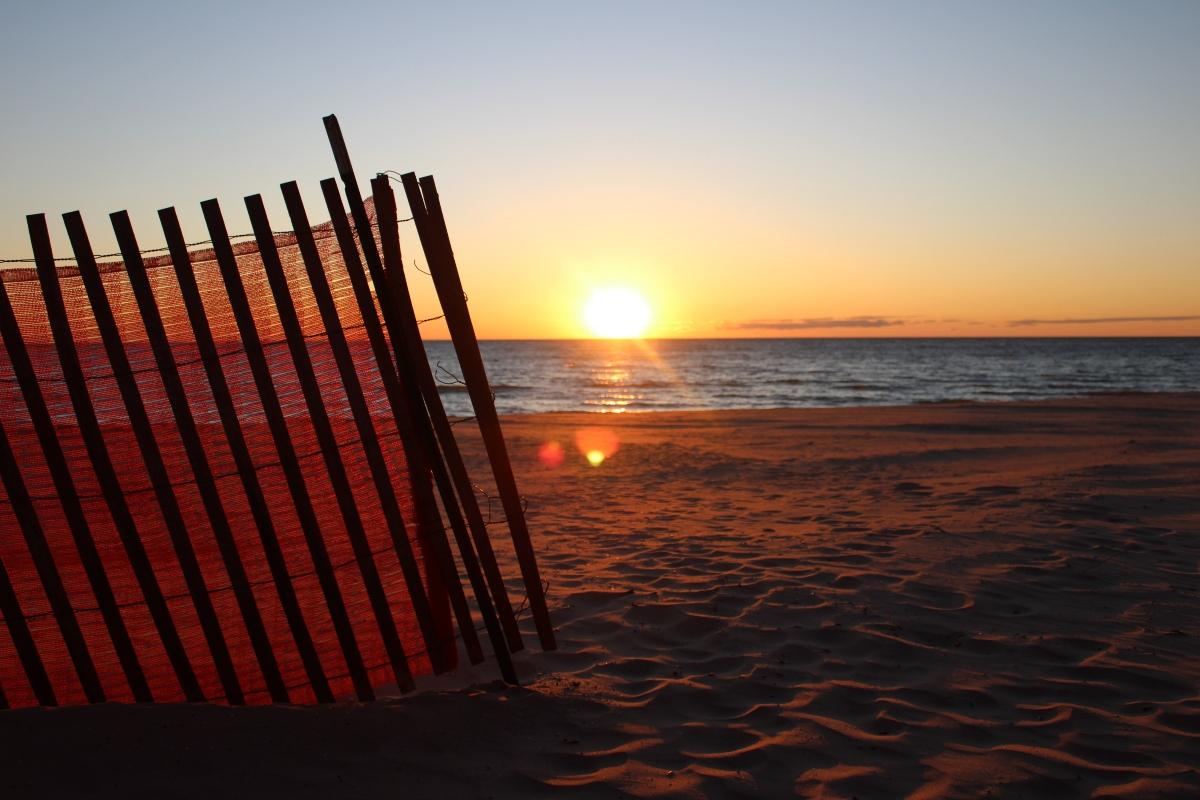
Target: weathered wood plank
[431,228]
[35,537]
[409,333]
[89,428]
[319,416]
[246,471]
[156,469]
[185,423]
[10,605]
[244,317]
[407,411]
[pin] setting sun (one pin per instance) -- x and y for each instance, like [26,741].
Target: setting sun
[616,313]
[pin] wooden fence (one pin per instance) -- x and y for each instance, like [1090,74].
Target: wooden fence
[227,472]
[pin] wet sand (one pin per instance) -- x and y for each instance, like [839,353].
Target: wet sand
[953,600]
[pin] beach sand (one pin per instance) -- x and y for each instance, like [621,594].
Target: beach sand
[951,600]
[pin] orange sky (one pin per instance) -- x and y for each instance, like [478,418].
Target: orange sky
[763,169]
[738,266]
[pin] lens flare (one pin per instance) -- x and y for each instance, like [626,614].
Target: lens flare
[551,454]
[596,444]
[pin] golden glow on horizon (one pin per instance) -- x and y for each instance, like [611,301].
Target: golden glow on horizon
[616,313]
[869,275]
[595,457]
[839,275]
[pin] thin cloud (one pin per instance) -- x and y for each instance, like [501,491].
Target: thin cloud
[811,323]
[1022,323]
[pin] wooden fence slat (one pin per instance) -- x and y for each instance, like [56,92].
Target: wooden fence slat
[22,638]
[244,317]
[18,627]
[431,228]
[380,474]
[411,361]
[160,481]
[110,485]
[89,428]
[409,370]
[319,417]
[411,422]
[407,334]
[427,387]
[247,473]
[407,410]
[420,382]
[185,422]
[35,536]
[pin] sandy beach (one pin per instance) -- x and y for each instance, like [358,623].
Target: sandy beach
[937,601]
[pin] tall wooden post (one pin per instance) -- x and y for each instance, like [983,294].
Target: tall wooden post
[406,337]
[431,228]
[407,411]
[319,417]
[421,388]
[376,462]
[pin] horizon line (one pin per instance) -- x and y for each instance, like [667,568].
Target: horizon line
[807,338]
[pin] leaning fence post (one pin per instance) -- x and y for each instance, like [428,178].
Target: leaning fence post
[431,228]
[89,428]
[244,316]
[223,399]
[319,417]
[18,627]
[110,486]
[411,425]
[407,339]
[35,536]
[339,477]
[160,481]
[435,641]
[413,366]
[185,423]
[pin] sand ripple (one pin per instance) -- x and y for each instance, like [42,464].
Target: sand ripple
[939,602]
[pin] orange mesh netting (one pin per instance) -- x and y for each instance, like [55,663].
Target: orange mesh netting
[239,587]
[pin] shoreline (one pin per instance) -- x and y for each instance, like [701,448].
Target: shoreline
[1097,395]
[943,600]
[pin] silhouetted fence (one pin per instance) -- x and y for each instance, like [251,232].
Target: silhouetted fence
[227,473]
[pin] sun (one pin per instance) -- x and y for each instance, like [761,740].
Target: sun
[616,313]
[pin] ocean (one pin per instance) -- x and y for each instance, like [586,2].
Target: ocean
[672,374]
[683,374]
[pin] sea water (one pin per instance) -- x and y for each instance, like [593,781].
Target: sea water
[681,374]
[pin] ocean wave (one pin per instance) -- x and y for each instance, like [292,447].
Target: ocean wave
[800,373]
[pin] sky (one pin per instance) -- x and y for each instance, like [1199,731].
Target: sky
[752,169]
